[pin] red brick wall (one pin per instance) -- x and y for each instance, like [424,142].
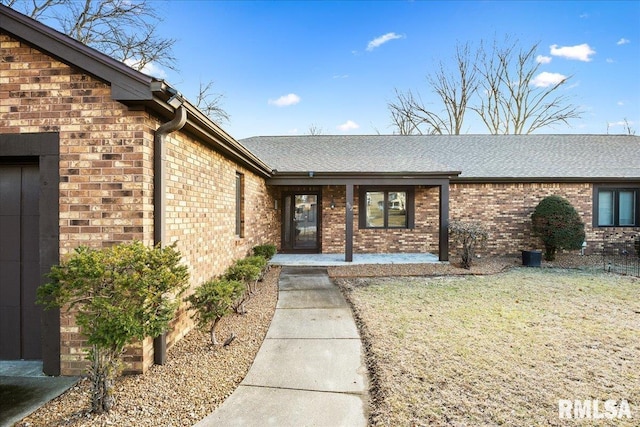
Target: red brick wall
[503,208]
[201,206]
[506,208]
[106,179]
[422,238]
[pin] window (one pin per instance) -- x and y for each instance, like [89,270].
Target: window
[616,207]
[239,205]
[386,208]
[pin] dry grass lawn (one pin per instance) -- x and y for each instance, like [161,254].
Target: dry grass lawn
[500,349]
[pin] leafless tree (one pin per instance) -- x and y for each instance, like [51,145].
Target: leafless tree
[210,103]
[405,115]
[123,29]
[627,128]
[625,125]
[454,89]
[497,84]
[509,101]
[314,129]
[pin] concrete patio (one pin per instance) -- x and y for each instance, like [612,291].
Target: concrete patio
[327,260]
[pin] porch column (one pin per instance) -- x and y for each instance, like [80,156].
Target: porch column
[443,245]
[348,225]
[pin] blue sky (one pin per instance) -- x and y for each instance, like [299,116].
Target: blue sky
[284,66]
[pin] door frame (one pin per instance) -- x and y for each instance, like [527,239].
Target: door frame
[46,148]
[288,246]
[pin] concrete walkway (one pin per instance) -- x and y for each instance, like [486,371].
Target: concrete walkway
[310,370]
[24,388]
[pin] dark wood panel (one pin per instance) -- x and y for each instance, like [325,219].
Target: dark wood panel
[20,316]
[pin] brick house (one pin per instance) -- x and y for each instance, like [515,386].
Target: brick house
[497,180]
[94,153]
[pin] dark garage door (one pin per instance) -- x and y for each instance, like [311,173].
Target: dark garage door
[20,317]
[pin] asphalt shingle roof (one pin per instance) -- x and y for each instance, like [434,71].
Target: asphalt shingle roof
[476,156]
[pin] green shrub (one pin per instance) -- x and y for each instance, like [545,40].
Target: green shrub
[267,251]
[243,271]
[256,260]
[122,294]
[469,235]
[558,225]
[213,300]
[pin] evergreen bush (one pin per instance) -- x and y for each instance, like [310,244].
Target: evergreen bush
[213,300]
[556,222]
[267,251]
[121,295]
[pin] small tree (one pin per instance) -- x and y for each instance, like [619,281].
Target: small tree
[470,235]
[122,294]
[247,272]
[213,300]
[558,224]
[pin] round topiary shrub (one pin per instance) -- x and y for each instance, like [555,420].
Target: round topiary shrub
[558,225]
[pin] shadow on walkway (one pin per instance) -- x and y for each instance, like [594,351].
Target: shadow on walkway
[310,369]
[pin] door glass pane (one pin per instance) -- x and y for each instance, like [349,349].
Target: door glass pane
[287,222]
[398,209]
[375,209]
[605,207]
[627,213]
[305,220]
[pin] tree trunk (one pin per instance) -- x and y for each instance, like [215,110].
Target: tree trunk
[549,252]
[214,341]
[103,371]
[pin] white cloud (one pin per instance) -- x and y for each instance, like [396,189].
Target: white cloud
[546,79]
[581,52]
[348,125]
[341,76]
[621,123]
[620,103]
[285,100]
[584,15]
[149,69]
[541,59]
[610,61]
[379,41]
[623,41]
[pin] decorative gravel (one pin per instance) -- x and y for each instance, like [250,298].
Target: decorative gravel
[193,383]
[198,378]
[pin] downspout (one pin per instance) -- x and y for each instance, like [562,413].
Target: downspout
[160,199]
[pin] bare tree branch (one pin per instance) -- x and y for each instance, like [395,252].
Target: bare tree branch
[314,129]
[123,29]
[509,102]
[454,89]
[34,8]
[497,83]
[210,103]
